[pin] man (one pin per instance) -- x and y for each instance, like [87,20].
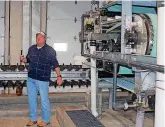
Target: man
[41,57]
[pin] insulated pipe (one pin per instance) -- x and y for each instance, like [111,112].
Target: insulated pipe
[160,85]
[93,79]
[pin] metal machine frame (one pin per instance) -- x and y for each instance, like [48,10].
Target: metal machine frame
[138,63]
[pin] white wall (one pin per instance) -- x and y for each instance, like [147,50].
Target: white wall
[61,27]
[2,31]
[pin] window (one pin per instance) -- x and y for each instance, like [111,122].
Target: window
[62,47]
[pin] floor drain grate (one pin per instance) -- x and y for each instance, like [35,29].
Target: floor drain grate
[83,118]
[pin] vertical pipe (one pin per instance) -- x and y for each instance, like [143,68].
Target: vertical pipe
[110,98]
[114,86]
[41,9]
[46,17]
[93,79]
[9,34]
[30,23]
[140,118]
[100,102]
[160,86]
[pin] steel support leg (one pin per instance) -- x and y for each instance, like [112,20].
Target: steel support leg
[140,118]
[100,103]
[110,98]
[114,86]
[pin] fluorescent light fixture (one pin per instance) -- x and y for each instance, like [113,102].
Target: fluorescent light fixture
[62,47]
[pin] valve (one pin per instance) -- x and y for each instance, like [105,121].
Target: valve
[13,67]
[21,67]
[81,83]
[69,67]
[77,67]
[73,83]
[88,83]
[4,67]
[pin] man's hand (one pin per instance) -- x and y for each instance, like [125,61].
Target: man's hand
[59,80]
[23,59]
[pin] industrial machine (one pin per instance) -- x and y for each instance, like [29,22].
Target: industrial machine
[120,38]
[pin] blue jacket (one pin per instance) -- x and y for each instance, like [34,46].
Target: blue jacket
[41,61]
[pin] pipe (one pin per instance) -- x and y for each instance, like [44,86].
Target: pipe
[30,23]
[160,86]
[114,86]
[93,79]
[140,118]
[115,105]
[9,35]
[46,17]
[41,15]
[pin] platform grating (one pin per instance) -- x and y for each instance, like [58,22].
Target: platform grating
[83,118]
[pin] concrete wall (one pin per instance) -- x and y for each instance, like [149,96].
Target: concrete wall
[2,31]
[61,27]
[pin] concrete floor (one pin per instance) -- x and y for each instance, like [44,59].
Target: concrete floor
[112,118]
[109,119]
[22,121]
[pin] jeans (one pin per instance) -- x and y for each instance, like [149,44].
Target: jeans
[33,87]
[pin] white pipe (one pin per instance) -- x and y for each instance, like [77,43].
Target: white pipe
[160,85]
[93,82]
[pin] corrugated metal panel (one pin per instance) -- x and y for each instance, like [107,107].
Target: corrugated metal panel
[35,19]
[2,31]
[61,27]
[26,26]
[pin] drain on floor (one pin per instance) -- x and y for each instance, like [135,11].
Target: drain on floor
[83,118]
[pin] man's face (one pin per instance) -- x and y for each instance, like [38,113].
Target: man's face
[40,39]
